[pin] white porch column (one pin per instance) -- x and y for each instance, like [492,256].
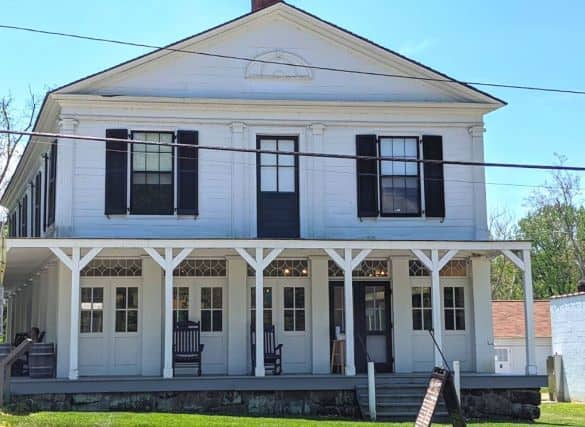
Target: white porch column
[259,263]
[168,264]
[482,314]
[348,263]
[75,264]
[320,314]
[435,264]
[525,264]
[437,308]
[531,368]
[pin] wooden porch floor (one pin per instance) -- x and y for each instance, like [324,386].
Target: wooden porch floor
[29,386]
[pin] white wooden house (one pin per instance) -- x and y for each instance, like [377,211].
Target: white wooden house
[112,241]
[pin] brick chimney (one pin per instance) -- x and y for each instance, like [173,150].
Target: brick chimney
[261,4]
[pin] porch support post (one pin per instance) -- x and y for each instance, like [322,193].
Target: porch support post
[434,264]
[259,263]
[348,263]
[525,264]
[168,264]
[76,263]
[531,368]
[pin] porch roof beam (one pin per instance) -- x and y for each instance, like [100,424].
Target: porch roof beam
[461,245]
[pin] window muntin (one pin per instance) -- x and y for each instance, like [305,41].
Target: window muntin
[91,318]
[180,304]
[126,309]
[454,268]
[422,309]
[454,307]
[277,171]
[267,306]
[375,297]
[152,174]
[211,309]
[399,180]
[367,268]
[294,308]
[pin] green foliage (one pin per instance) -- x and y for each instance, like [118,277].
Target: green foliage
[556,227]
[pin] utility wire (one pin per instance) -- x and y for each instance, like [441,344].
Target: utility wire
[312,67]
[298,153]
[334,171]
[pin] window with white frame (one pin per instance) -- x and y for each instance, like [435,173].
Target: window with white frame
[267,306]
[91,318]
[126,309]
[294,308]
[454,306]
[152,174]
[180,304]
[277,171]
[422,309]
[399,180]
[211,309]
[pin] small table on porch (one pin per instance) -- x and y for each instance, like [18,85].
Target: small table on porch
[338,357]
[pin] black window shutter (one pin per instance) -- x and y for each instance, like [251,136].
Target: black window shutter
[116,172]
[187,173]
[434,180]
[45,191]
[52,184]
[367,176]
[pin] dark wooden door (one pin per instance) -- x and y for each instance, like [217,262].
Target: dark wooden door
[278,187]
[372,322]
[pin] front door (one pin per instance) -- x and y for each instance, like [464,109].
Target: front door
[278,188]
[372,322]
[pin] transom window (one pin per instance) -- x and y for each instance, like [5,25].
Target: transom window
[399,180]
[294,308]
[267,306]
[211,309]
[454,302]
[92,310]
[152,174]
[277,171]
[180,304]
[127,309]
[422,309]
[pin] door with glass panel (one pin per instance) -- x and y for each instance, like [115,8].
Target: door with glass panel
[277,187]
[372,322]
[110,328]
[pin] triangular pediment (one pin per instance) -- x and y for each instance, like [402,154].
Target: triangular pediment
[280,34]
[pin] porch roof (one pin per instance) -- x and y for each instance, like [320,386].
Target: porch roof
[26,256]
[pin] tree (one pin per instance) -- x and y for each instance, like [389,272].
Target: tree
[10,145]
[505,277]
[556,226]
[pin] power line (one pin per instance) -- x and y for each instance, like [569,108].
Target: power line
[298,153]
[313,67]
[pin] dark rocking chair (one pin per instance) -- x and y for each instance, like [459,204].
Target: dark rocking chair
[187,347]
[272,352]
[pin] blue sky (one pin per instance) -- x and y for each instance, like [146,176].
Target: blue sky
[521,41]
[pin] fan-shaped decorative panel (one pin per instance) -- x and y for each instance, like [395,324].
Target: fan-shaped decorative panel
[278,64]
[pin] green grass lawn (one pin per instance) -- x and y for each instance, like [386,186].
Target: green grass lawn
[553,414]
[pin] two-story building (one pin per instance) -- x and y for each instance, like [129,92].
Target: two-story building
[230,171]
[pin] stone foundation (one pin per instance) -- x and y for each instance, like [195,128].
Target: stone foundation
[493,404]
[332,404]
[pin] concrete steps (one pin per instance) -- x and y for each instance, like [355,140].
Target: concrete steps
[399,400]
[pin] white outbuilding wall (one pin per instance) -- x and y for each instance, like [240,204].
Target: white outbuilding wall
[568,330]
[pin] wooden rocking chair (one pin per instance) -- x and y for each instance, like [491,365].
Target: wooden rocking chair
[272,352]
[187,347]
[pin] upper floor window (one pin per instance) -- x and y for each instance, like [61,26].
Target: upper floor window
[399,180]
[395,187]
[152,190]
